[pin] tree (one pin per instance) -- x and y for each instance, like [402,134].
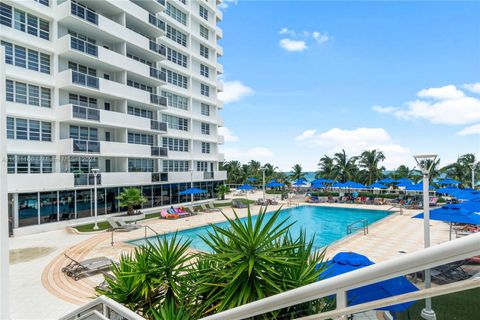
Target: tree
[254,168]
[461,169]
[402,172]
[369,161]
[222,191]
[345,168]
[297,172]
[131,197]
[325,168]
[434,169]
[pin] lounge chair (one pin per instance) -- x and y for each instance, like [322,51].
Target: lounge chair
[212,207]
[450,272]
[122,226]
[190,211]
[205,209]
[78,269]
[260,202]
[433,202]
[238,204]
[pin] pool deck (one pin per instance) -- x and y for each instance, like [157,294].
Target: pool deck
[50,293]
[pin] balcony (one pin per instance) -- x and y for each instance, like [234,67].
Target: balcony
[84,13]
[86,146]
[85,113]
[85,79]
[159,151]
[151,5]
[219,68]
[158,48]
[159,177]
[125,178]
[156,22]
[220,122]
[220,139]
[219,86]
[36,181]
[86,179]
[208,175]
[158,126]
[158,100]
[158,74]
[83,46]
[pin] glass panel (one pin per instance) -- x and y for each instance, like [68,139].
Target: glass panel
[27,209]
[147,193]
[67,205]
[112,202]
[48,207]
[101,201]
[84,203]
[174,193]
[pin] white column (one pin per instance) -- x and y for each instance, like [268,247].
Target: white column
[4,237]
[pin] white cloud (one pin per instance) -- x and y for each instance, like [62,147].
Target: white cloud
[444,105]
[357,140]
[233,91]
[245,155]
[473,87]
[293,45]
[307,134]
[287,31]
[226,3]
[475,129]
[227,134]
[320,37]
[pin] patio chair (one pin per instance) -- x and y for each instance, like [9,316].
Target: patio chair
[212,207]
[260,202]
[433,202]
[238,204]
[450,272]
[78,269]
[205,209]
[122,226]
[190,211]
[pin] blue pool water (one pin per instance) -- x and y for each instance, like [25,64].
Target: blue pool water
[327,223]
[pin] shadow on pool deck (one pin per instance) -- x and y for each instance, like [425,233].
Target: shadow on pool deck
[28,254]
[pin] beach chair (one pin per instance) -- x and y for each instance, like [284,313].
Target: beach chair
[212,207]
[78,269]
[433,202]
[260,202]
[205,209]
[238,204]
[190,211]
[450,272]
[122,226]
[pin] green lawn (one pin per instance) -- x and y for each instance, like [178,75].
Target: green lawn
[463,305]
[104,225]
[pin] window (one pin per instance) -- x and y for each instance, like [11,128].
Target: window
[174,144]
[176,101]
[23,164]
[202,166]
[139,85]
[176,57]
[29,23]
[82,69]
[139,112]
[205,128]
[83,43]
[205,147]
[176,79]
[27,94]
[134,57]
[205,109]
[203,51]
[204,71]
[140,138]
[204,32]
[204,90]
[176,14]
[140,165]
[175,166]
[83,133]
[82,101]
[44,2]
[176,123]
[83,164]
[203,12]
[176,36]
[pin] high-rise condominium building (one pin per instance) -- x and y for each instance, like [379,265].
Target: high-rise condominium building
[126,87]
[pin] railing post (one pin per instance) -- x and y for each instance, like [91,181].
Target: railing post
[341,301]
[112,237]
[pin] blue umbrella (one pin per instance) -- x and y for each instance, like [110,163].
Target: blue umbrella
[245,187]
[377,186]
[317,186]
[321,180]
[300,182]
[251,179]
[448,182]
[404,180]
[274,184]
[354,185]
[192,191]
[344,262]
[386,180]
[404,184]
[417,187]
[339,185]
[446,190]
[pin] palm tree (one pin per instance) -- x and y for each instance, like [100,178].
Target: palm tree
[461,169]
[345,168]
[234,171]
[325,168]
[131,197]
[254,168]
[222,190]
[297,173]
[369,161]
[270,171]
[401,172]
[434,169]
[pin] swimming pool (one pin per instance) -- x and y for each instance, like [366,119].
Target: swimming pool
[329,224]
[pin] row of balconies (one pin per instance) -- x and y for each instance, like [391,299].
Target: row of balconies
[109,149]
[62,181]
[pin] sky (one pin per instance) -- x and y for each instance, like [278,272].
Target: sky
[308,78]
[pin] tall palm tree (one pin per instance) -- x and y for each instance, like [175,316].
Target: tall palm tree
[297,172]
[345,168]
[402,172]
[234,171]
[254,167]
[461,169]
[434,168]
[370,161]
[325,168]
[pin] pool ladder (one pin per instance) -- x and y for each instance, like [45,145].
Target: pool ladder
[144,226]
[351,227]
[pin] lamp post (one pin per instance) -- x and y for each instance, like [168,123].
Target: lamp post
[263,185]
[95,173]
[473,165]
[421,159]
[191,186]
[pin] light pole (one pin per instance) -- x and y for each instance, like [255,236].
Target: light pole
[425,167]
[473,165]
[263,185]
[191,186]
[95,173]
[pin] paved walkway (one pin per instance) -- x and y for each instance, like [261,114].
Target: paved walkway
[57,294]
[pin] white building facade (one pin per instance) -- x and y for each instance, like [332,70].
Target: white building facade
[126,86]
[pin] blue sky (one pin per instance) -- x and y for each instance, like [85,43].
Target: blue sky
[304,79]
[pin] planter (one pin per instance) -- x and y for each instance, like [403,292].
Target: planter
[127,219]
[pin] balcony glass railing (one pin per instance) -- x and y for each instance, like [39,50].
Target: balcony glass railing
[208,175]
[80,112]
[158,100]
[84,46]
[156,22]
[84,13]
[158,74]
[86,146]
[85,79]
[159,151]
[162,2]
[86,179]
[159,177]
[158,125]
[158,48]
